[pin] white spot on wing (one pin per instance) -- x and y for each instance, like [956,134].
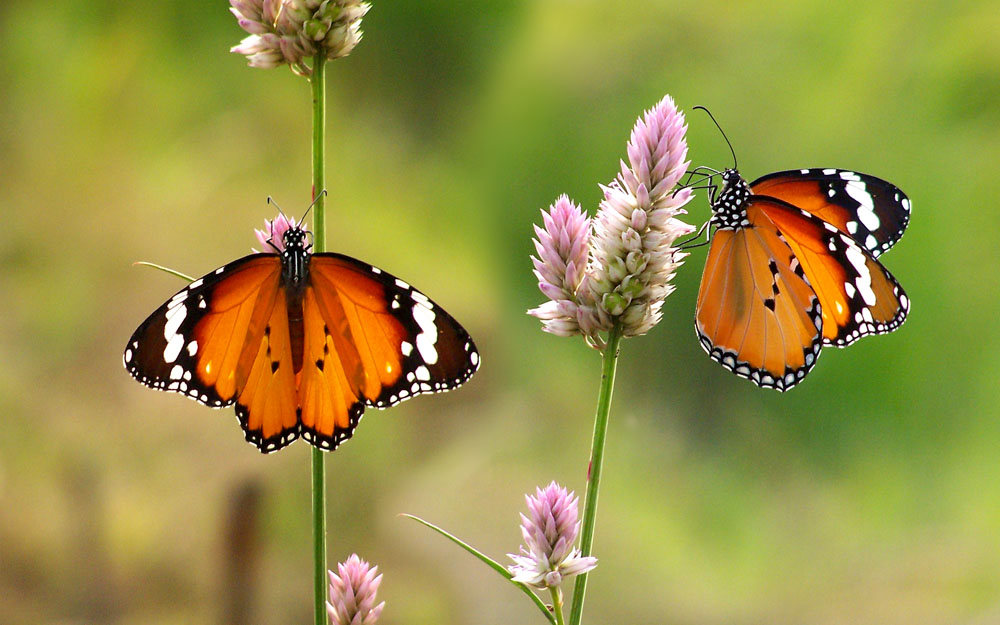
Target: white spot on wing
[175,316]
[866,212]
[864,280]
[427,339]
[173,349]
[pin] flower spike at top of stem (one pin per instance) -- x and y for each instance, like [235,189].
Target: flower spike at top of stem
[286,32]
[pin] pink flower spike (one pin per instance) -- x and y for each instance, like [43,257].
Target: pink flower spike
[633,257]
[352,593]
[272,237]
[560,265]
[549,533]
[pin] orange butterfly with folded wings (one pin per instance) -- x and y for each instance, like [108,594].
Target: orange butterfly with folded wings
[793,266]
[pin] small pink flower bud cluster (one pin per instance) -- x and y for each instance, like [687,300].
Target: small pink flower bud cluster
[352,593]
[272,237]
[549,533]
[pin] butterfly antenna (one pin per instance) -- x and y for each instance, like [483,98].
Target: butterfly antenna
[722,131]
[316,199]
[270,200]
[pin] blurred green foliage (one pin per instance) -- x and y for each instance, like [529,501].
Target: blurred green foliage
[868,494]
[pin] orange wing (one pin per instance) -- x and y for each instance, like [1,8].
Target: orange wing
[756,313]
[224,339]
[371,340]
[858,296]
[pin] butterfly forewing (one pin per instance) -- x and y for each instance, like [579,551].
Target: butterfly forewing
[870,210]
[412,345]
[858,296]
[756,314]
[197,343]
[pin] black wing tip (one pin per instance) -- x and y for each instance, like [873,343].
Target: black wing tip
[418,378]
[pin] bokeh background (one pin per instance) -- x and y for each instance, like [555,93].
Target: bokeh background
[869,494]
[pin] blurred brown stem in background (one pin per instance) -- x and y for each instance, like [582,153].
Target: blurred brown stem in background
[241,553]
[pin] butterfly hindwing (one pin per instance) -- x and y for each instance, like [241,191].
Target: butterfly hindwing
[756,313]
[857,294]
[268,403]
[870,210]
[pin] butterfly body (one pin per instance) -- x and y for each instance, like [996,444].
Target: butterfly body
[301,343]
[793,267]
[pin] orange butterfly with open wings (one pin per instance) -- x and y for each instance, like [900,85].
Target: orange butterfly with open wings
[301,343]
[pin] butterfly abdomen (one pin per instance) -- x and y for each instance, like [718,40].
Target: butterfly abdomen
[295,277]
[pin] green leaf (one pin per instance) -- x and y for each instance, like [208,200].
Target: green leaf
[493,564]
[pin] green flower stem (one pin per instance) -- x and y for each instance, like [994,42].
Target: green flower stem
[557,605]
[319,245]
[596,463]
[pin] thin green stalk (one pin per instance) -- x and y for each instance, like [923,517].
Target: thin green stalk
[596,464]
[319,245]
[557,604]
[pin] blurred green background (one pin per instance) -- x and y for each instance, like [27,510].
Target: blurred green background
[869,494]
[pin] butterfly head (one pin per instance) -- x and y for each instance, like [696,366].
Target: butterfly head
[729,206]
[294,239]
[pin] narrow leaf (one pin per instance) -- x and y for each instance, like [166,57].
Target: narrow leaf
[172,272]
[493,564]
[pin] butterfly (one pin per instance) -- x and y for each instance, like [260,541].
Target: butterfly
[300,342]
[793,266]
